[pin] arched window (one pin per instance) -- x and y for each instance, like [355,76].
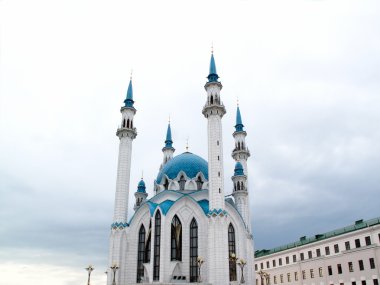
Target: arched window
[182,182]
[131,124]
[148,243]
[157,243]
[238,185]
[166,184]
[140,255]
[176,239]
[124,123]
[193,251]
[211,100]
[232,250]
[128,123]
[199,183]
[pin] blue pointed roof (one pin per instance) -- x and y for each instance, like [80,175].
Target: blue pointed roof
[213,76]
[169,141]
[239,124]
[141,186]
[129,100]
[238,169]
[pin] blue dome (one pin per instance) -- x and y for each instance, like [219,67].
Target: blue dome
[141,186]
[238,169]
[187,162]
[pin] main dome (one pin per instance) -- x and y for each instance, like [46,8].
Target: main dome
[187,162]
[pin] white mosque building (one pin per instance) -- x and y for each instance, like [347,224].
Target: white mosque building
[189,219]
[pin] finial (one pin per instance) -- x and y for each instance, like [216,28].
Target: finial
[130,77]
[142,174]
[169,118]
[187,144]
[237,100]
[212,47]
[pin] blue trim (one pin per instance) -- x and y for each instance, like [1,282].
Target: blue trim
[118,225]
[168,141]
[213,76]
[239,124]
[129,100]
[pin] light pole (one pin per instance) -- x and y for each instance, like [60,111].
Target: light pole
[90,268]
[241,264]
[200,261]
[114,268]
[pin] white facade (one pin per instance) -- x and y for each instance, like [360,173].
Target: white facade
[347,256]
[188,218]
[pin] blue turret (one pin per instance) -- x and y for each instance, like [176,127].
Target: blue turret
[239,124]
[140,194]
[168,141]
[141,186]
[213,76]
[129,100]
[238,169]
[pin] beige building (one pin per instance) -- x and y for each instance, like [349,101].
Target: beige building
[346,256]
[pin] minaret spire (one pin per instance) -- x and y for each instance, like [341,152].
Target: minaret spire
[168,150]
[129,100]
[239,124]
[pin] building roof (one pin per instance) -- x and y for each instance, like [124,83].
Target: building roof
[129,100]
[168,140]
[358,225]
[141,186]
[239,123]
[187,162]
[238,169]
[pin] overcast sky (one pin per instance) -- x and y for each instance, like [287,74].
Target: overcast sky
[306,74]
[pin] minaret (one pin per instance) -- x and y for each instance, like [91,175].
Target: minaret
[126,134]
[140,194]
[168,150]
[241,155]
[217,250]
[240,192]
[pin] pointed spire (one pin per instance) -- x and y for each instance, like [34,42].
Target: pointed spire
[239,124]
[141,186]
[169,141]
[213,76]
[129,100]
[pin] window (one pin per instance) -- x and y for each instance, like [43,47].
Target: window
[320,272]
[357,243]
[361,265]
[166,184]
[256,267]
[347,245]
[311,273]
[157,241]
[148,243]
[199,183]
[232,250]
[194,251]
[336,248]
[140,255]
[287,260]
[364,282]
[379,237]
[294,258]
[327,250]
[372,263]
[279,261]
[282,278]
[296,276]
[350,267]
[318,252]
[182,182]
[339,266]
[375,282]
[303,274]
[176,239]
[353,283]
[261,266]
[275,279]
[329,269]
[368,240]
[289,280]
[302,256]
[310,254]
[268,266]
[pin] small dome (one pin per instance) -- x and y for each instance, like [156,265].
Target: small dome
[238,169]
[141,186]
[187,162]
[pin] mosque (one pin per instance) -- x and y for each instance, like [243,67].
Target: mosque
[191,230]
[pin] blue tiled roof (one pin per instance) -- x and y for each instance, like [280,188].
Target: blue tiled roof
[238,169]
[129,100]
[141,186]
[239,124]
[169,141]
[187,162]
[213,76]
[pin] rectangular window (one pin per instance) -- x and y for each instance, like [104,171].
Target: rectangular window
[353,283]
[303,274]
[280,261]
[350,267]
[318,252]
[336,248]
[339,268]
[310,254]
[375,282]
[357,243]
[329,269]
[320,272]
[296,276]
[379,237]
[311,273]
[302,256]
[287,259]
[368,240]
[327,250]
[274,262]
[268,264]
[294,258]
[261,266]
[275,279]
[372,263]
[364,282]
[361,265]
[347,244]
[281,278]
[289,277]
[256,267]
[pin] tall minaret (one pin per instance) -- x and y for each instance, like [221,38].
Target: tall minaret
[168,149]
[217,250]
[241,155]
